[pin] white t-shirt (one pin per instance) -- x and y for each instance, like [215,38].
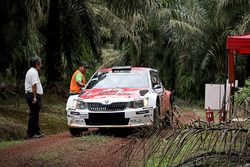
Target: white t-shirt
[32,78]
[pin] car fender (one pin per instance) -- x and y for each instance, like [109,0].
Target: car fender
[152,99]
[70,100]
[168,99]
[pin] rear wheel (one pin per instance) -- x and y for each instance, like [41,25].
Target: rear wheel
[77,132]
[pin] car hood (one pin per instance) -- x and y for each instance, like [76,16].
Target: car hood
[112,93]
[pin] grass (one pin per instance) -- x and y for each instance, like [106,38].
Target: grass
[11,129]
[48,156]
[191,143]
[157,156]
[14,113]
[5,144]
[95,138]
[171,153]
[86,143]
[52,157]
[200,111]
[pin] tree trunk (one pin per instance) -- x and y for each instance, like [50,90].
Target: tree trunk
[248,67]
[3,21]
[53,55]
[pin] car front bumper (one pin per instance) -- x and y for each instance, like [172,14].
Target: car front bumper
[110,119]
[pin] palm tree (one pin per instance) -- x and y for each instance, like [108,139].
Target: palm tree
[198,36]
[84,14]
[13,36]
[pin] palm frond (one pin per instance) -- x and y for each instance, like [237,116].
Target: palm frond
[127,8]
[241,27]
[80,14]
[111,57]
[37,11]
[194,147]
[231,3]
[120,28]
[90,28]
[183,26]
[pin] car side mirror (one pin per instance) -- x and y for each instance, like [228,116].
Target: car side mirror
[157,86]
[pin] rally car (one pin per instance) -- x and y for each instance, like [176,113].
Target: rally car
[120,97]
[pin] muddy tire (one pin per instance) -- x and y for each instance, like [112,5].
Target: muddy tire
[77,132]
[171,100]
[157,120]
[168,119]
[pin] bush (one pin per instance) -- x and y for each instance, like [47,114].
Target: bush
[242,94]
[10,129]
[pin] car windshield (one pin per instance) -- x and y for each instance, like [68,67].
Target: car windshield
[131,79]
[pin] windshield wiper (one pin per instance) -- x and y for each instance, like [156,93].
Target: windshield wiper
[96,80]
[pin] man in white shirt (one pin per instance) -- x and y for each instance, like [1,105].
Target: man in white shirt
[34,91]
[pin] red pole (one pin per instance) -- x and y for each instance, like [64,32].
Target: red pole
[231,67]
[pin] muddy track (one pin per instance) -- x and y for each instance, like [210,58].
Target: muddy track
[104,150]
[64,150]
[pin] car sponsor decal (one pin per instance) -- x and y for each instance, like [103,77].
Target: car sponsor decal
[112,93]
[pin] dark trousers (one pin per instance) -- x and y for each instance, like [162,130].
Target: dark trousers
[33,124]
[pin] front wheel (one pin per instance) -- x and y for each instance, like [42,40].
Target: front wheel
[157,120]
[77,132]
[168,119]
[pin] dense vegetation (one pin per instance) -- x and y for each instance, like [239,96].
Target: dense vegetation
[14,115]
[242,95]
[183,39]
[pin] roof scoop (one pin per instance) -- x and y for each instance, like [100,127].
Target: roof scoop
[121,69]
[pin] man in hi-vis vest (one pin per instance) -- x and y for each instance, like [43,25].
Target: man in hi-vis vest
[78,79]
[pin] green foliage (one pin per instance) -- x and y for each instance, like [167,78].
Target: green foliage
[51,156]
[11,129]
[242,94]
[215,146]
[95,138]
[14,120]
[5,144]
[184,40]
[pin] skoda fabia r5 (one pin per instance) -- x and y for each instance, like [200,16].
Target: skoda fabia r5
[120,97]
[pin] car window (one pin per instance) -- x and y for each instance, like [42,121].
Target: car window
[132,79]
[155,79]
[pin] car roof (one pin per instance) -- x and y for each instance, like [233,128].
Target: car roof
[132,68]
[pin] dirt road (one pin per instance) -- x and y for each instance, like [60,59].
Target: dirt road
[64,150]
[90,150]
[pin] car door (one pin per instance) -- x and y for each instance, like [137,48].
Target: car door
[159,89]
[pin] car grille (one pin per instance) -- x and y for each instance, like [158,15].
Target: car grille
[107,119]
[117,106]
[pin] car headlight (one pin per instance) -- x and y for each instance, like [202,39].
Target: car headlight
[139,103]
[146,102]
[79,105]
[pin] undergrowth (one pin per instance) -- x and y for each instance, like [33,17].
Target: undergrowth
[14,118]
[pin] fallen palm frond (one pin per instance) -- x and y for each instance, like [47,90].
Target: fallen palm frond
[222,144]
[213,146]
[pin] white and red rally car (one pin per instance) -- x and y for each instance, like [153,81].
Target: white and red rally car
[120,97]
